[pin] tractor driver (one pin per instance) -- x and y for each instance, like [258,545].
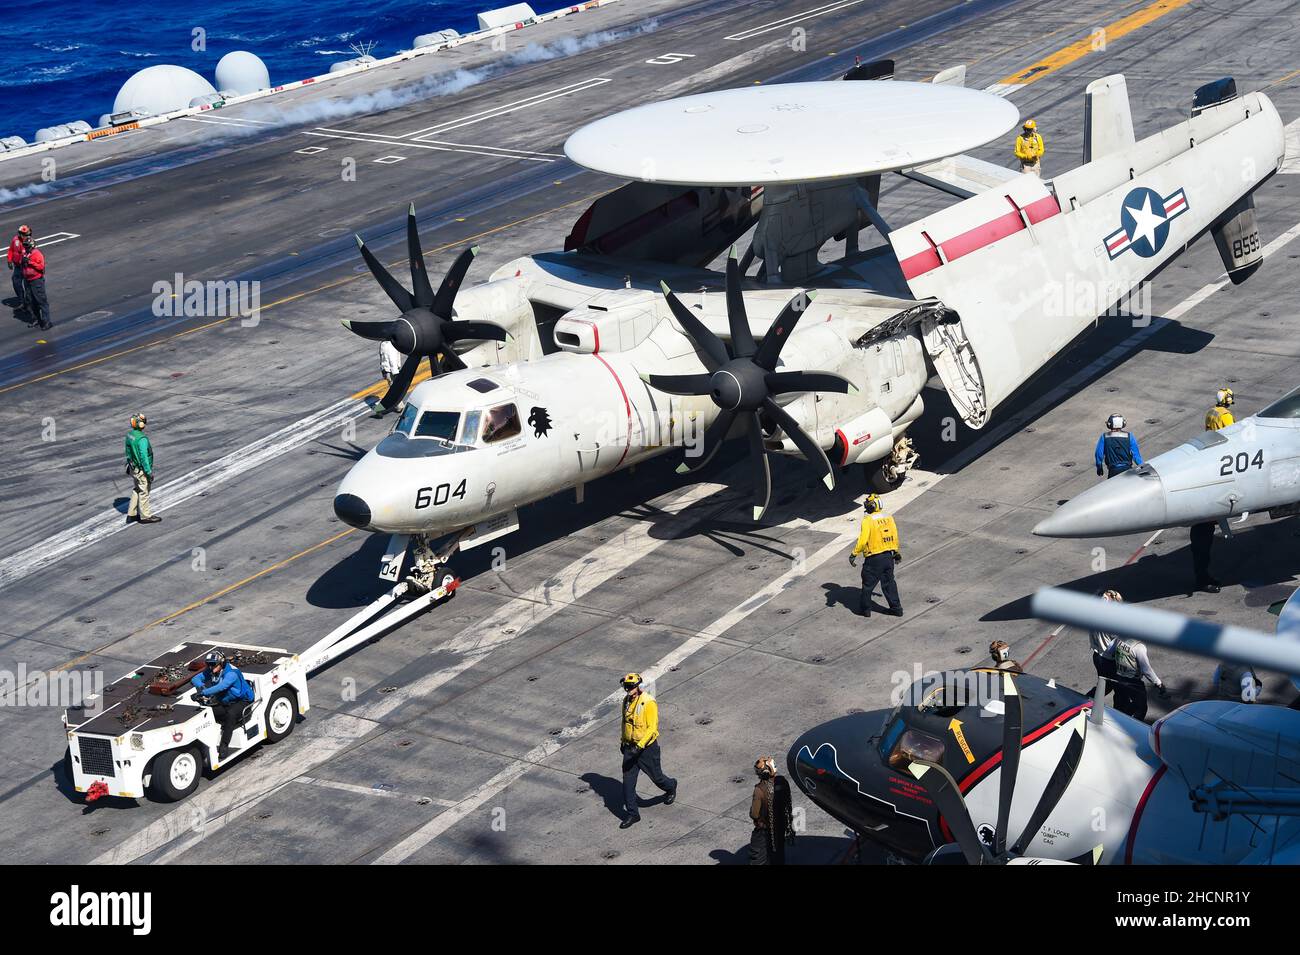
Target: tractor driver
[222,685]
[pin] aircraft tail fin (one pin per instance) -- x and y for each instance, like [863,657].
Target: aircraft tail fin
[1107,118]
[875,70]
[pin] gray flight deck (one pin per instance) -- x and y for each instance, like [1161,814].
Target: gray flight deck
[485,731]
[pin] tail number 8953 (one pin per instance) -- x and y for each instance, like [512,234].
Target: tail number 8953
[438,495]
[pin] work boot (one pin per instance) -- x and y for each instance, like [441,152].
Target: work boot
[223,753]
[895,611]
[149,520]
[629,822]
[131,518]
[1210,587]
[670,798]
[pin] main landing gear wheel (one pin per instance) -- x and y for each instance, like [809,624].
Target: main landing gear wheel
[880,481]
[281,714]
[175,775]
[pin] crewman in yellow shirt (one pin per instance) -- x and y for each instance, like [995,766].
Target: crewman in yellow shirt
[1220,416]
[639,742]
[1030,148]
[878,543]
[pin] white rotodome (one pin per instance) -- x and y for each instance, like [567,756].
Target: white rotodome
[160,89]
[242,72]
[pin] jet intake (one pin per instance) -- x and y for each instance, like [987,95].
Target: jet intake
[1236,235]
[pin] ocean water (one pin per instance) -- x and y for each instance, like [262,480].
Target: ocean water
[65,60]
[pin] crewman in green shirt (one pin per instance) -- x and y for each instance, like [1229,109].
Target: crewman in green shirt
[139,464]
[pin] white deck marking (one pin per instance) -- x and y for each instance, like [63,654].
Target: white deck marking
[558,592]
[793,18]
[396,140]
[311,150]
[219,802]
[55,548]
[506,108]
[389,160]
[54,238]
[370,790]
[353,137]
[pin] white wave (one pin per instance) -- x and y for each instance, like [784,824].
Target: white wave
[442,84]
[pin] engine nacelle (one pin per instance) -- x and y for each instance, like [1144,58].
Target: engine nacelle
[868,437]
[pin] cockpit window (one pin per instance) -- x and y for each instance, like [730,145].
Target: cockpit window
[438,424]
[469,431]
[1288,407]
[914,745]
[407,421]
[501,422]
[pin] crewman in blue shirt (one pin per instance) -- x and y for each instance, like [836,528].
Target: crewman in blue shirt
[1117,449]
[221,684]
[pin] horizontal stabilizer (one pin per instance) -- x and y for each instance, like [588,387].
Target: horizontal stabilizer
[962,176]
[1107,119]
[1236,235]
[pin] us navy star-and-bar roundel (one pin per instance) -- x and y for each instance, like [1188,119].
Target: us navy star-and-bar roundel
[1144,222]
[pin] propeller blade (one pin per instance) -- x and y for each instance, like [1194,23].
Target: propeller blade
[451,283]
[375,331]
[679,384]
[419,274]
[742,339]
[784,382]
[1056,786]
[780,330]
[710,442]
[815,455]
[400,296]
[762,470]
[459,331]
[397,390]
[1012,738]
[705,340]
[450,361]
[942,788]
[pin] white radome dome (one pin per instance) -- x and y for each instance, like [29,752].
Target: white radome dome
[242,72]
[161,89]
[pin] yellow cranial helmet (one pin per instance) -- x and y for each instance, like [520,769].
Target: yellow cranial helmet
[871,504]
[1030,125]
[631,681]
[1225,397]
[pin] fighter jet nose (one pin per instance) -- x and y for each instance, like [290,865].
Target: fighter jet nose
[1127,504]
[352,510]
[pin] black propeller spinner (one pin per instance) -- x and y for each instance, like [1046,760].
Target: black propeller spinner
[743,381]
[426,328]
[943,789]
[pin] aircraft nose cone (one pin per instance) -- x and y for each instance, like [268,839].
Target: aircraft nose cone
[1127,504]
[352,510]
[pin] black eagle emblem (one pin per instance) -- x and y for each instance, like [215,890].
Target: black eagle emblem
[540,420]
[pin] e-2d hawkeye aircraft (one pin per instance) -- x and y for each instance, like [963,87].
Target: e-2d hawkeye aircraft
[971,759]
[624,346]
[1252,465]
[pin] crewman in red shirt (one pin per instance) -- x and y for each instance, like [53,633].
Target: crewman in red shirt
[33,266]
[15,260]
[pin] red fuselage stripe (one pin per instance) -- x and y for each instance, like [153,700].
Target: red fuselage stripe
[1137,814]
[981,236]
[627,406]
